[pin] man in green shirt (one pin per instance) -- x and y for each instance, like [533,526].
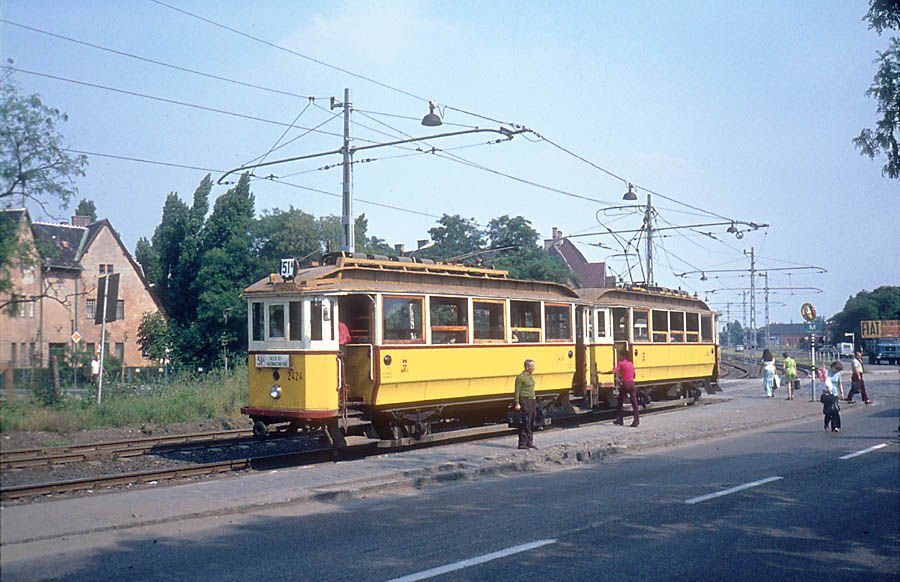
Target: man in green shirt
[524,400]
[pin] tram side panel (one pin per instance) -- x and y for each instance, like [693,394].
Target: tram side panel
[666,363]
[429,374]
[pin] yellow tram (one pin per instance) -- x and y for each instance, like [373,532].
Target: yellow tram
[391,347]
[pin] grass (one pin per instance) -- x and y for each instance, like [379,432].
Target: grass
[187,398]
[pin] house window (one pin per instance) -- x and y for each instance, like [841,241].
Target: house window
[13,354]
[120,351]
[106,269]
[120,309]
[89,307]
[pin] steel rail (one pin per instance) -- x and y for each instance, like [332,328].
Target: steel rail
[38,457]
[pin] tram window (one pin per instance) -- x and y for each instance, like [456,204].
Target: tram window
[641,330]
[488,320]
[706,328]
[676,326]
[276,321]
[449,320]
[558,322]
[525,321]
[257,321]
[660,326]
[620,324]
[315,319]
[403,320]
[601,323]
[295,320]
[692,327]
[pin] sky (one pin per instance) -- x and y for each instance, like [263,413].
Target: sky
[720,111]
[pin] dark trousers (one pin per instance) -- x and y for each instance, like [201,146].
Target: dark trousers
[858,385]
[834,417]
[628,389]
[526,431]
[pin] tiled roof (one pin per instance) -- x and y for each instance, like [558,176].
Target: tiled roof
[591,274]
[59,243]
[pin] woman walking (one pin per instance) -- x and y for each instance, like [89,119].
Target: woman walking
[790,374]
[769,373]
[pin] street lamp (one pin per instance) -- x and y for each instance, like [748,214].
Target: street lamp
[630,195]
[430,120]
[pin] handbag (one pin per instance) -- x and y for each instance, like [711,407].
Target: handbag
[515,418]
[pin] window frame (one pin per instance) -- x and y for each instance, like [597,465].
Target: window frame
[676,333]
[420,299]
[503,324]
[660,336]
[568,311]
[523,331]
[635,326]
[691,336]
[460,330]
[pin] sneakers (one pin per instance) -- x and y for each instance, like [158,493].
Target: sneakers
[619,422]
[835,430]
[868,402]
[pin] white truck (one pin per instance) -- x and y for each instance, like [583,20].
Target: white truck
[844,350]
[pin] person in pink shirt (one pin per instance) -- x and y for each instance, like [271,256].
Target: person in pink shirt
[625,371]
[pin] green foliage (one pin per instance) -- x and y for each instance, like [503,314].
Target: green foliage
[885,89]
[153,335]
[188,398]
[35,165]
[87,208]
[455,237]
[282,234]
[882,303]
[146,255]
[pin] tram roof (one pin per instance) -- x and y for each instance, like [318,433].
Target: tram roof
[654,297]
[352,274]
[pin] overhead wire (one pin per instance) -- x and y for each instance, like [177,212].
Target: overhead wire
[153,61]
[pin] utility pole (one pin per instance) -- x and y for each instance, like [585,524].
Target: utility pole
[752,297]
[744,317]
[766,340]
[648,222]
[347,223]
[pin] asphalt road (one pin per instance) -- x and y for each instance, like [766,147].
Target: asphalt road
[809,515]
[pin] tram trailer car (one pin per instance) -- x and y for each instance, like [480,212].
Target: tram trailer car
[432,343]
[670,335]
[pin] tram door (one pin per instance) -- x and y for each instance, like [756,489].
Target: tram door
[356,312]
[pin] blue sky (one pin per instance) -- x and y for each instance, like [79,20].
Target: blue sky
[737,110]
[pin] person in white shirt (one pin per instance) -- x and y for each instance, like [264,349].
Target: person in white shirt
[857,384]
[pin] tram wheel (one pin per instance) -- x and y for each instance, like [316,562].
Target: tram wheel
[259,430]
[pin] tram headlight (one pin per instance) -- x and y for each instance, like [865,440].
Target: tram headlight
[275,392]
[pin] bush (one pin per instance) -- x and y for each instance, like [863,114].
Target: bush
[187,398]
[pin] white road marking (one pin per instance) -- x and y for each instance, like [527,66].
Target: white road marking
[472,561]
[724,492]
[863,452]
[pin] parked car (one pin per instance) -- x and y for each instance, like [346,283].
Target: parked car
[739,348]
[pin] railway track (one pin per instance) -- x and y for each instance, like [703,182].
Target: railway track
[37,457]
[280,460]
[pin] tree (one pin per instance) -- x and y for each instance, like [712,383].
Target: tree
[282,234]
[87,208]
[455,237]
[885,88]
[167,241]
[882,303]
[35,165]
[148,258]
[153,335]
[226,266]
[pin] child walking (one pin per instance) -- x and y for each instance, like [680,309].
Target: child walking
[829,399]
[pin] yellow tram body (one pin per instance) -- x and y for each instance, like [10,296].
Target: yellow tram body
[394,346]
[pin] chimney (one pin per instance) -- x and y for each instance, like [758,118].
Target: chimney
[81,220]
[555,233]
[398,248]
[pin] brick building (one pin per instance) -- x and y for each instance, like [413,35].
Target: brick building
[55,293]
[592,275]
